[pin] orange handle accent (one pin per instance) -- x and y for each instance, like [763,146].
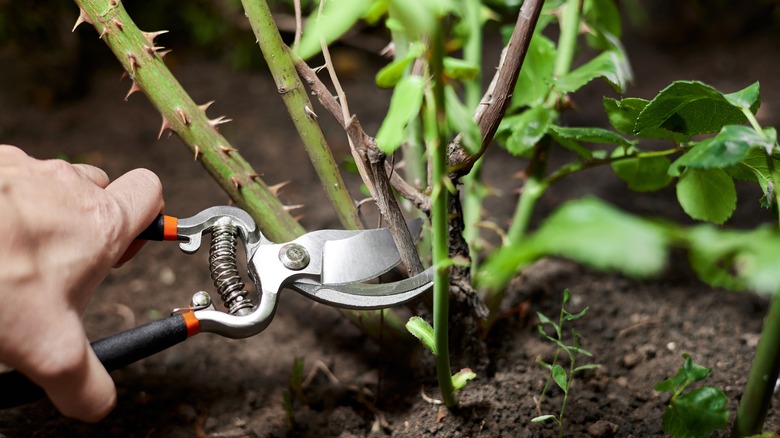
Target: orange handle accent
[170,227]
[193,325]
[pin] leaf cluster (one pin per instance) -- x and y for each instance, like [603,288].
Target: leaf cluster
[695,413]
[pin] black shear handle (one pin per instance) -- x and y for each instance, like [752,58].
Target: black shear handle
[114,352]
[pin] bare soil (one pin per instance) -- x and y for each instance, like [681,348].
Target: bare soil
[210,386]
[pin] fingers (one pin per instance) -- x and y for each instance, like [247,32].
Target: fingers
[94,174]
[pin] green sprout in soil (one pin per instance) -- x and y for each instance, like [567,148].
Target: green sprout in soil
[696,413]
[558,374]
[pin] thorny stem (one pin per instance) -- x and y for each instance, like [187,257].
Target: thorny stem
[439,222]
[281,65]
[499,93]
[143,62]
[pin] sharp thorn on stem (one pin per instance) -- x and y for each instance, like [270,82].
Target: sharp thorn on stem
[133,63]
[83,18]
[253,176]
[133,89]
[197,152]
[227,149]
[165,126]
[236,183]
[289,208]
[118,24]
[183,116]
[205,106]
[218,121]
[161,54]
[309,113]
[106,31]
[150,36]
[276,187]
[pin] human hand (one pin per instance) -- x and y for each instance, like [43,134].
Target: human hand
[63,227]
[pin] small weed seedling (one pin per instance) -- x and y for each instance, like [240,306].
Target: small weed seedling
[558,373]
[694,413]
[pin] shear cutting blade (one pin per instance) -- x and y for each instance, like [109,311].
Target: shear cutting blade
[361,257]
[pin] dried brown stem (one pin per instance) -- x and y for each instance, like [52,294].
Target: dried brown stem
[495,101]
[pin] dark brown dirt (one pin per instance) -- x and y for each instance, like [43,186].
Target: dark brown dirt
[210,386]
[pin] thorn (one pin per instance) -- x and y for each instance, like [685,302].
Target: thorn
[113,3]
[309,113]
[123,75]
[150,36]
[133,89]
[182,116]
[118,24]
[318,69]
[253,176]
[197,152]
[226,149]
[276,187]
[106,31]
[289,208]
[165,125]
[162,54]
[236,182]
[83,18]
[133,62]
[299,217]
[205,106]
[218,121]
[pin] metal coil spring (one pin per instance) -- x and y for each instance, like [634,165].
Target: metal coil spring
[224,270]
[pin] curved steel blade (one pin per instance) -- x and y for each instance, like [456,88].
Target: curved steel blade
[358,296]
[362,257]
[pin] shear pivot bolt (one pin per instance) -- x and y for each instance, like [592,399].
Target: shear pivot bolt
[200,300]
[294,256]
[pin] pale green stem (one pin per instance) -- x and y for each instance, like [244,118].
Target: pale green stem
[440,224]
[143,62]
[288,84]
[472,183]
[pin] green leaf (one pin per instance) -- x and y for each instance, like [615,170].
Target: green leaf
[622,114]
[641,174]
[559,376]
[591,135]
[729,147]
[460,69]
[688,373]
[591,366]
[542,418]
[575,316]
[697,413]
[462,377]
[754,168]
[461,120]
[404,106]
[707,195]
[609,65]
[688,108]
[535,79]
[603,19]
[418,17]
[422,331]
[337,17]
[598,235]
[526,129]
[736,260]
[390,74]
[748,98]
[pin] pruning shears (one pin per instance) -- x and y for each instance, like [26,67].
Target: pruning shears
[329,266]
